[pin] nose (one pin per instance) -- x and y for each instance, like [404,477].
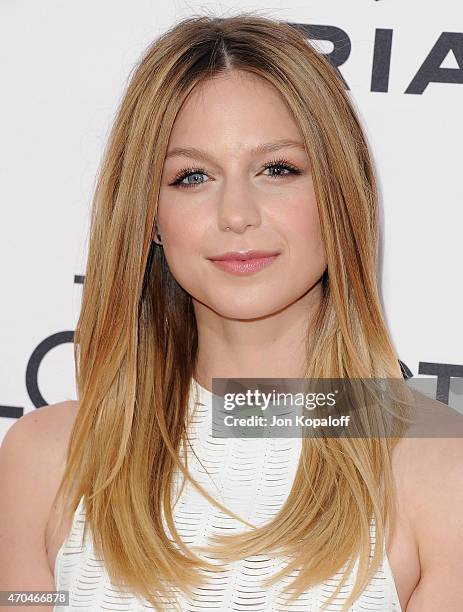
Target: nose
[238,208]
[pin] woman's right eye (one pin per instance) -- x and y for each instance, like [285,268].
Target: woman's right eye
[185,174]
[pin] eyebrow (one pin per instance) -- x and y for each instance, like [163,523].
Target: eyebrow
[266,147]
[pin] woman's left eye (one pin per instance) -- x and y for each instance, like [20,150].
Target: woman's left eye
[186,173]
[282,165]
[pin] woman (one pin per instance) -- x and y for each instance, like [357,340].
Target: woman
[236,135]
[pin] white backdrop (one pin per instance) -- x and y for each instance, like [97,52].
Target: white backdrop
[64,68]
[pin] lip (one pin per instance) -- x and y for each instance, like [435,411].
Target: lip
[243,255]
[244,262]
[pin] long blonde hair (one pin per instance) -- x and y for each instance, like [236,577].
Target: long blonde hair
[136,336]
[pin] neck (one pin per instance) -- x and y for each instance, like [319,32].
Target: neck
[273,346]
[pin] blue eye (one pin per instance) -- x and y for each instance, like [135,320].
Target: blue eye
[282,165]
[187,173]
[278,163]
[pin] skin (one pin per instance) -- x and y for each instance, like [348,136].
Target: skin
[248,326]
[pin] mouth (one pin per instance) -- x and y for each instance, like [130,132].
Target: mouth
[244,262]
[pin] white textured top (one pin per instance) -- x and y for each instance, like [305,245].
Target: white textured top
[250,476]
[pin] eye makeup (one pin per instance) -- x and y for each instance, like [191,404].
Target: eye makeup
[281,163]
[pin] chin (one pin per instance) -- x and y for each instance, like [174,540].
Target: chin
[245,311]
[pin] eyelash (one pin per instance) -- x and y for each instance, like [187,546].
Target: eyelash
[282,163]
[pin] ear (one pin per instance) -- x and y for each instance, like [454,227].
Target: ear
[157,236]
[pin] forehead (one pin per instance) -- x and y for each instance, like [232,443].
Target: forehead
[234,111]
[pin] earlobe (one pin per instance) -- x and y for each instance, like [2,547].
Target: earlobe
[157,237]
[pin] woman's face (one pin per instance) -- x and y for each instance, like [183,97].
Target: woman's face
[266,208]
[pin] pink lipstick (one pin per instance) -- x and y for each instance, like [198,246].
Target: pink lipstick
[244,262]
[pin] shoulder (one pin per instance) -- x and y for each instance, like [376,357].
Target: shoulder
[41,435]
[50,425]
[35,446]
[429,474]
[50,415]
[32,461]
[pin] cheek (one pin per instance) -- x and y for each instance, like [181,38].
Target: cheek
[302,230]
[181,238]
[177,224]
[306,252]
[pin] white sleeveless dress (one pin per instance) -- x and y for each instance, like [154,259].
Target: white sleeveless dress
[252,477]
